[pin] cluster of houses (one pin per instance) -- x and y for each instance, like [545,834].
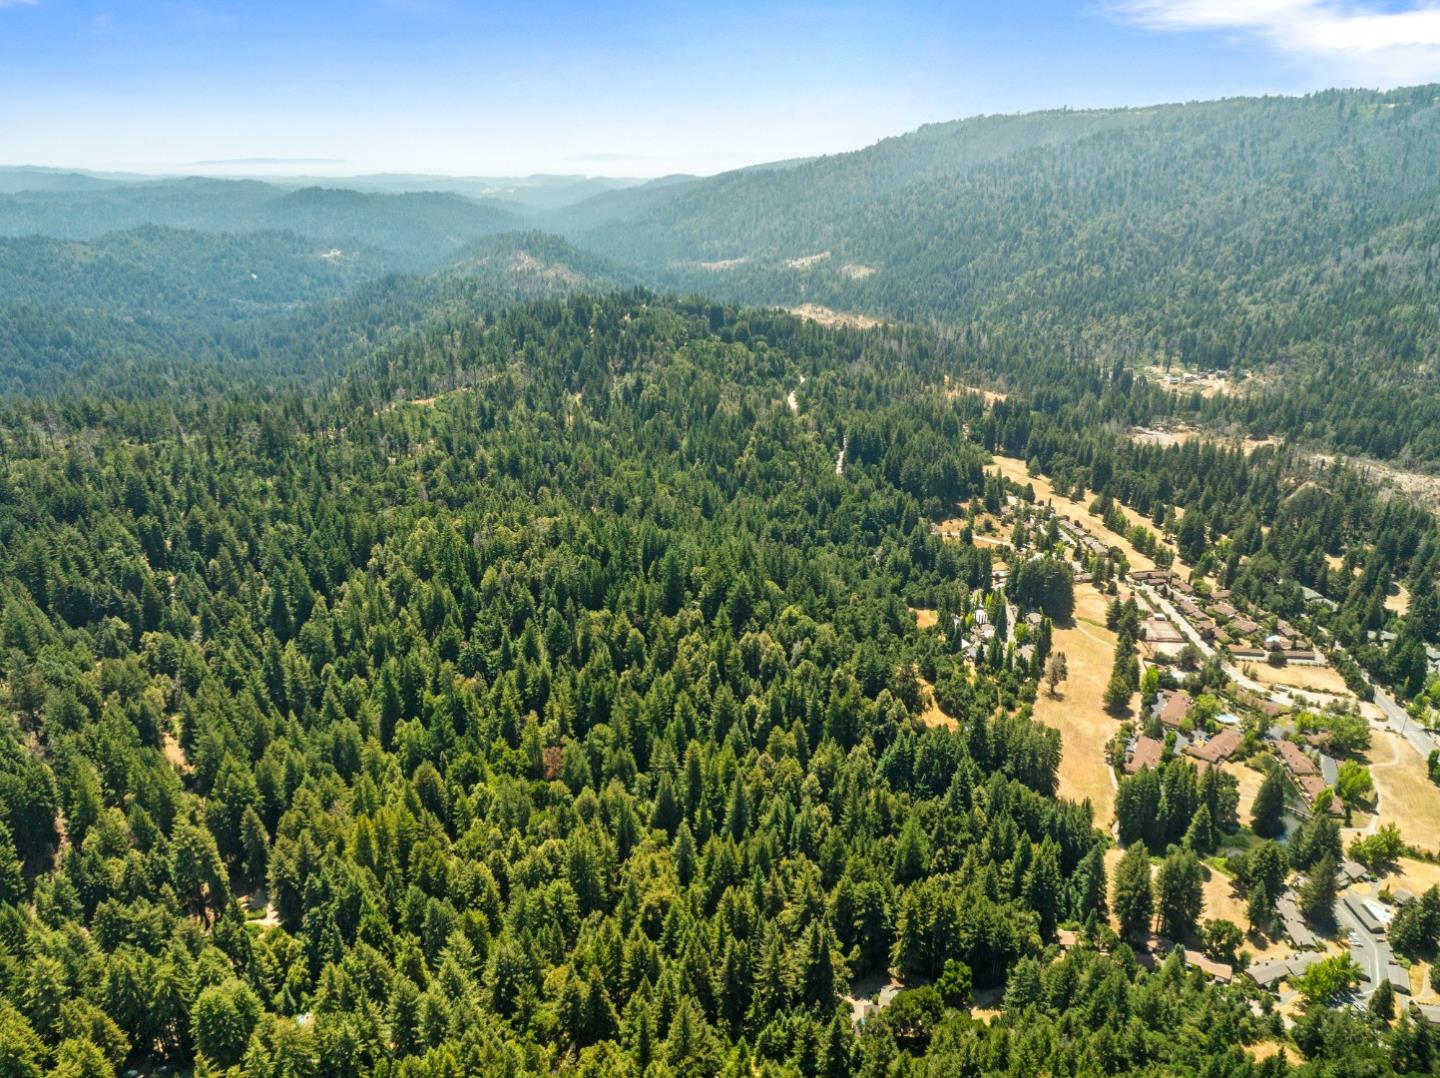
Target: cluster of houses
[1371,915]
[1082,538]
[1215,618]
[978,630]
[1313,775]
[1171,710]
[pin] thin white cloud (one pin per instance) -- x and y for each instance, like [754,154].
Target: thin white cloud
[18,3]
[1387,46]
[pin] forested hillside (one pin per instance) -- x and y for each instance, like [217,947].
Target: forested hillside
[422,227]
[1294,235]
[166,310]
[150,270]
[541,698]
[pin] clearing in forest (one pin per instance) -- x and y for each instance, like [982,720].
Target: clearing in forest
[932,715]
[990,396]
[826,317]
[926,619]
[1078,712]
[1014,469]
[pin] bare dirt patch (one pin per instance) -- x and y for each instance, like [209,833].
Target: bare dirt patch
[1180,435]
[1419,486]
[856,271]
[1079,712]
[1399,603]
[827,317]
[1162,437]
[926,619]
[806,261]
[1177,381]
[724,263]
[1252,444]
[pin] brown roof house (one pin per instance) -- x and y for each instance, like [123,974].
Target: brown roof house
[1145,752]
[1306,775]
[1220,747]
[1171,708]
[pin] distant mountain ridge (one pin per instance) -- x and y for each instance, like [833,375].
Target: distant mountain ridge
[268,301]
[1297,236]
[536,192]
[421,227]
[1221,233]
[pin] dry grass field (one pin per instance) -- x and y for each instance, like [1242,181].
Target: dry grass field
[932,715]
[1077,712]
[990,396]
[826,317]
[926,619]
[1408,798]
[1013,468]
[1264,1050]
[1414,876]
[1249,780]
[1324,679]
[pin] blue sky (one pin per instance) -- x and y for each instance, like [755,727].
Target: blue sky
[635,89]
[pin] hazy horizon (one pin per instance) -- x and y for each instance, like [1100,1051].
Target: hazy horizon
[637,90]
[302,169]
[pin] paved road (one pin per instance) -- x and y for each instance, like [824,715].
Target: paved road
[1372,955]
[1268,692]
[1421,740]
[1396,717]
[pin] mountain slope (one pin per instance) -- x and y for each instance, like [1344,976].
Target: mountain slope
[422,227]
[105,311]
[153,270]
[1217,230]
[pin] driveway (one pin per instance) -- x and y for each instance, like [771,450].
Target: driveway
[1371,954]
